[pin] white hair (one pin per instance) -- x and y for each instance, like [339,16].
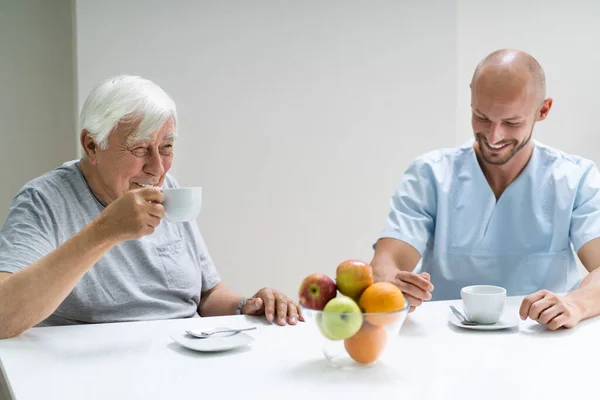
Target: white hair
[126,98]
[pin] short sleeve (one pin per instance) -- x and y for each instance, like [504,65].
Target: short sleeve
[413,207]
[585,218]
[27,234]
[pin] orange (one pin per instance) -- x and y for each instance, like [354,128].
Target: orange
[366,345]
[381,297]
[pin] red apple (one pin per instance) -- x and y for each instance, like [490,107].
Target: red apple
[316,290]
[353,277]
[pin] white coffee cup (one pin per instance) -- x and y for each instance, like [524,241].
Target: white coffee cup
[483,304]
[182,204]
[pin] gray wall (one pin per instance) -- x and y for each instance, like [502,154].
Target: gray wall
[37,91]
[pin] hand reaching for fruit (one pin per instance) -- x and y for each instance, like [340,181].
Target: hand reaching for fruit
[417,288]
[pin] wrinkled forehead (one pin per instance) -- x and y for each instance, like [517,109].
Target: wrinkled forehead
[136,130]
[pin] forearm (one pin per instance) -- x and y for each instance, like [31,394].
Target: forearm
[33,293]
[587,296]
[219,301]
[392,256]
[384,268]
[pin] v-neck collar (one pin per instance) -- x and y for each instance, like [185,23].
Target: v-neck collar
[515,182]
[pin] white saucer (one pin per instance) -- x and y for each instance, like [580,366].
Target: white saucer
[220,343]
[505,322]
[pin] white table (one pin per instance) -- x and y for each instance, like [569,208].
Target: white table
[432,360]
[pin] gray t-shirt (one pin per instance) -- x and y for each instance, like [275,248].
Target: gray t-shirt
[158,276]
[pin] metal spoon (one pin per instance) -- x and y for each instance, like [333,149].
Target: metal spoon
[207,334]
[462,318]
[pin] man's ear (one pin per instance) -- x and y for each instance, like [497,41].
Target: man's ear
[89,146]
[544,110]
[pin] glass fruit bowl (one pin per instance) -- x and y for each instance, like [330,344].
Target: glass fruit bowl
[355,339]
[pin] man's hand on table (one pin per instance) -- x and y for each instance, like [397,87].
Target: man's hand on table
[273,304]
[550,309]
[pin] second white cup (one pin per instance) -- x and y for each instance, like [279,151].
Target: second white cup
[483,304]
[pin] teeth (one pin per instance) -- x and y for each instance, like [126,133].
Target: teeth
[496,146]
[144,184]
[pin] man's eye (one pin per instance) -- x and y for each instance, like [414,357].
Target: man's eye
[140,151]
[166,150]
[512,123]
[480,118]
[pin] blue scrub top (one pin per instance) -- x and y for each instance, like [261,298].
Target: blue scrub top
[526,241]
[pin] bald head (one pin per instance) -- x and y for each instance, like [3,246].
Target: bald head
[509,73]
[508,91]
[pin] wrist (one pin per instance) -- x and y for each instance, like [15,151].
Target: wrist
[239,310]
[98,233]
[577,301]
[384,273]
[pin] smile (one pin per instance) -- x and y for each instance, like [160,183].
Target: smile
[496,146]
[145,184]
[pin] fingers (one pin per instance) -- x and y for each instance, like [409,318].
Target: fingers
[419,281]
[153,221]
[414,286]
[548,314]
[299,309]
[276,307]
[282,309]
[279,307]
[253,306]
[269,300]
[547,309]
[413,291]
[292,313]
[152,204]
[153,194]
[156,210]
[558,322]
[539,307]
[528,302]
[426,276]
[414,302]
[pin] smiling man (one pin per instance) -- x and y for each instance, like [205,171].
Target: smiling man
[87,243]
[501,209]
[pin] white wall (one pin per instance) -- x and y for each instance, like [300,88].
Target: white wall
[564,37]
[37,82]
[297,118]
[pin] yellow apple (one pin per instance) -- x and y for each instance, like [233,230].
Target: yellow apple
[353,277]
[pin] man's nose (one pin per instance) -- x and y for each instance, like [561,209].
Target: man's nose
[154,165]
[496,134]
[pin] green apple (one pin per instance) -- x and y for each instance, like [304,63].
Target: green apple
[321,329]
[342,318]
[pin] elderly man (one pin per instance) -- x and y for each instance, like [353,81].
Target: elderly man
[86,243]
[501,209]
